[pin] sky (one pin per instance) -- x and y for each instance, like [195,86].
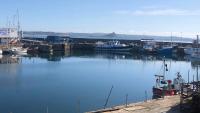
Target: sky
[143,17]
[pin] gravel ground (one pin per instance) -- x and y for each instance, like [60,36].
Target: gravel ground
[166,105]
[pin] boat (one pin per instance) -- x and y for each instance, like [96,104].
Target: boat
[6,51]
[165,87]
[1,51]
[190,51]
[193,50]
[166,50]
[18,50]
[149,48]
[112,46]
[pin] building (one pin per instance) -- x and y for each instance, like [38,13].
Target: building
[8,35]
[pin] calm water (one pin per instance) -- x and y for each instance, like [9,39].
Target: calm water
[80,82]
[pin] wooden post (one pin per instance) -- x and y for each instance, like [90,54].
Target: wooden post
[108,97]
[146,96]
[126,100]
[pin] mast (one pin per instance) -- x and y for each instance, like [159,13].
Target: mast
[164,69]
[171,39]
[18,25]
[197,41]
[197,54]
[197,73]
[181,39]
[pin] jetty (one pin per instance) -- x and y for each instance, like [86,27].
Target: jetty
[168,104]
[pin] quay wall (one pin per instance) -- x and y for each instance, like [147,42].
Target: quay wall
[45,48]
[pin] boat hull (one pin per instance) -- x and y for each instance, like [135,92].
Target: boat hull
[165,51]
[20,52]
[160,92]
[1,52]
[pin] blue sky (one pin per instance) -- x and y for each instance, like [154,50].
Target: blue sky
[156,17]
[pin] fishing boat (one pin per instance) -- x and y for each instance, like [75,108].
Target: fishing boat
[112,46]
[167,49]
[165,87]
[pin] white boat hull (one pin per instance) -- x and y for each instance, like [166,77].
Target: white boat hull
[19,51]
[1,52]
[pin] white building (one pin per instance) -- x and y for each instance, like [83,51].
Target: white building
[8,34]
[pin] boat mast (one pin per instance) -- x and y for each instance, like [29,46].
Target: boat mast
[18,25]
[197,73]
[164,70]
[197,41]
[171,39]
[197,54]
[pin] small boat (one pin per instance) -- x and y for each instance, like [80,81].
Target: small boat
[19,50]
[112,46]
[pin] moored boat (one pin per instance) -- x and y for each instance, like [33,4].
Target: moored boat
[193,50]
[19,50]
[165,87]
[112,46]
[148,49]
[1,51]
[15,50]
[166,50]
[190,51]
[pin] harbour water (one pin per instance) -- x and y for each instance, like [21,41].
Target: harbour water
[80,82]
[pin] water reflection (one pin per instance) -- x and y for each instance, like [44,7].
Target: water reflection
[8,59]
[9,69]
[59,80]
[58,56]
